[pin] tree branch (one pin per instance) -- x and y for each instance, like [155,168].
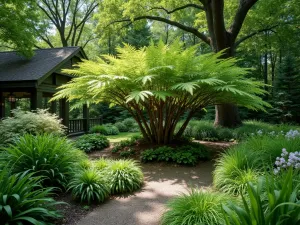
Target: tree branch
[238,42]
[240,16]
[179,8]
[171,22]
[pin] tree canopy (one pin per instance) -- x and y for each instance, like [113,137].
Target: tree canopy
[164,81]
[18,20]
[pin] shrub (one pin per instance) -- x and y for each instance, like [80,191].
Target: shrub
[127,152]
[196,207]
[106,129]
[280,207]
[205,131]
[24,201]
[126,143]
[129,123]
[92,142]
[121,126]
[46,155]
[35,122]
[225,134]
[187,154]
[125,176]
[98,129]
[112,130]
[89,185]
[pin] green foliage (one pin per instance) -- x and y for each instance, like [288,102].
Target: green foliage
[18,25]
[89,185]
[127,153]
[196,207]
[101,164]
[122,127]
[167,76]
[280,207]
[106,129]
[22,122]
[125,176]
[24,201]
[98,129]
[129,122]
[188,154]
[46,155]
[126,143]
[287,94]
[92,142]
[246,161]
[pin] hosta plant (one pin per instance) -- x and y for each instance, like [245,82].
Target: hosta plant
[45,155]
[125,176]
[159,83]
[24,201]
[196,207]
[88,185]
[92,142]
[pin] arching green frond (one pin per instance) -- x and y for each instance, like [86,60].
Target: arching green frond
[189,87]
[164,81]
[138,96]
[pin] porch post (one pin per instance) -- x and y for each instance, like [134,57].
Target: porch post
[53,107]
[36,100]
[86,118]
[2,105]
[64,111]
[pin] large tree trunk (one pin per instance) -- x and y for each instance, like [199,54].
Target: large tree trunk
[227,116]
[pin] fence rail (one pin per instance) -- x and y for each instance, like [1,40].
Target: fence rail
[82,125]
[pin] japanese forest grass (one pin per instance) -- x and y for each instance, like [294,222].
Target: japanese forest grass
[248,160]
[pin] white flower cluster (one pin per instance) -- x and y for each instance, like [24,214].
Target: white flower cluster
[292,134]
[287,160]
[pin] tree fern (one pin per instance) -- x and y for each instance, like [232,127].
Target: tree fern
[163,81]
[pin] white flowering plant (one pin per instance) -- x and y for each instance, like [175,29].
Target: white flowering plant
[287,160]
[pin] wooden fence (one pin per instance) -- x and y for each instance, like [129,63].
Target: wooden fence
[77,126]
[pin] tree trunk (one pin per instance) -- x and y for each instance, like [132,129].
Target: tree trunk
[227,116]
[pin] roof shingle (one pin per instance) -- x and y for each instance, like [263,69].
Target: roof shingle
[14,67]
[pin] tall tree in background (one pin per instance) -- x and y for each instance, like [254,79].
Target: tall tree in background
[18,20]
[69,18]
[209,25]
[287,91]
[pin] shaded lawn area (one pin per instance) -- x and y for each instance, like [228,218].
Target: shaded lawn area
[121,136]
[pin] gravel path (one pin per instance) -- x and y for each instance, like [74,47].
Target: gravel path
[162,182]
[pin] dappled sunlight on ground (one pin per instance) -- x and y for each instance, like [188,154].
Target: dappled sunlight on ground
[162,182]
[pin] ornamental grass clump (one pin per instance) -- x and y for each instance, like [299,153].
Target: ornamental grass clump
[125,176]
[23,200]
[234,169]
[89,185]
[196,207]
[52,157]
